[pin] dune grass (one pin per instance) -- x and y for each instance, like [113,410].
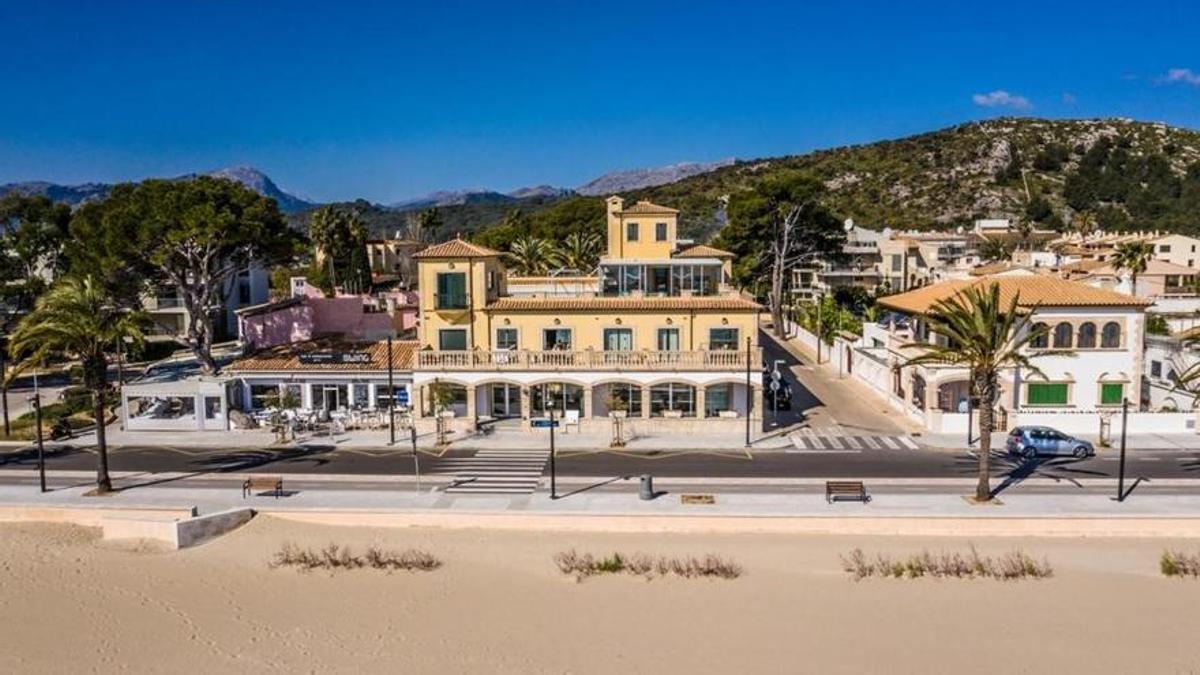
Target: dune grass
[1010,566]
[335,557]
[583,565]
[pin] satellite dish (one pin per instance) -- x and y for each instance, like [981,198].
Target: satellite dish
[848,224]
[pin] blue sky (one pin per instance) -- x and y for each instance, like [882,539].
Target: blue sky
[382,100]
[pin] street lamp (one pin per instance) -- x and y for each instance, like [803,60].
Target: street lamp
[392,397]
[749,391]
[1121,469]
[553,468]
[36,402]
[412,433]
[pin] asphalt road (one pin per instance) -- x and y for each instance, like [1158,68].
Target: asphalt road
[923,463]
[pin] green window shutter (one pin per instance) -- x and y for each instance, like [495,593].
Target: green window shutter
[1112,393]
[1047,394]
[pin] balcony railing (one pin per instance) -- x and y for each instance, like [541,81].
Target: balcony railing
[719,360]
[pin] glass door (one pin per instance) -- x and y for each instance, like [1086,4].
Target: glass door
[618,339]
[668,339]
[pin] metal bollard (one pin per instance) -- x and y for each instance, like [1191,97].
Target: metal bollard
[646,489]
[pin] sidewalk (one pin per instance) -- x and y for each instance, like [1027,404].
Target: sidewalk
[611,497]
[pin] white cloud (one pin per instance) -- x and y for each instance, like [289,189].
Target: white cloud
[1002,99]
[1184,75]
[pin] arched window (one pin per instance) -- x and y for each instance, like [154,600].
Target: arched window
[1062,335]
[1111,337]
[1087,335]
[1039,336]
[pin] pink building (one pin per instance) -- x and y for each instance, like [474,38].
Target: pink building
[308,315]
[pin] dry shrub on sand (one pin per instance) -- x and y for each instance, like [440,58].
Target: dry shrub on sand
[582,565]
[1179,564]
[335,557]
[1009,566]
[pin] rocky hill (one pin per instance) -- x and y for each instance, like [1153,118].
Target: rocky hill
[1126,173]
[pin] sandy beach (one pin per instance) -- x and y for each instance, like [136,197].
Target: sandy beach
[73,603]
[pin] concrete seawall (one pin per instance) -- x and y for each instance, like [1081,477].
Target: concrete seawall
[1188,527]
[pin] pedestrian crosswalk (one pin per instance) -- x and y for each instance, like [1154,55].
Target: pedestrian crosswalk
[495,471]
[810,440]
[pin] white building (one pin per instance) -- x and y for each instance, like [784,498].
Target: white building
[1091,360]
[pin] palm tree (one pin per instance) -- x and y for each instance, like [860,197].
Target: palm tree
[985,337]
[1085,224]
[78,318]
[1134,256]
[531,256]
[580,251]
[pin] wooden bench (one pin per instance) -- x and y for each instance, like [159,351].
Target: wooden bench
[274,484]
[845,489]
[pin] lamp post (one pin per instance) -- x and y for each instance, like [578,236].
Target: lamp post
[392,399]
[412,433]
[36,401]
[553,469]
[749,394]
[4,386]
[1121,468]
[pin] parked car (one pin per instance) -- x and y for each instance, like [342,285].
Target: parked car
[1034,441]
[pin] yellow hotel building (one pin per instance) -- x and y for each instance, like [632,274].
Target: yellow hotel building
[663,339]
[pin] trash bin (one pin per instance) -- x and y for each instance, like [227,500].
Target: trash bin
[646,489]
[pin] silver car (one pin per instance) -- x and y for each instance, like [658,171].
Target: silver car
[1035,441]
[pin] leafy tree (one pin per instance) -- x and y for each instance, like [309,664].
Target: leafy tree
[1052,157]
[195,235]
[773,227]
[1156,324]
[986,337]
[341,241]
[531,256]
[34,230]
[1133,256]
[79,319]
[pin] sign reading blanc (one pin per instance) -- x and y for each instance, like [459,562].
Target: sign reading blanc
[333,358]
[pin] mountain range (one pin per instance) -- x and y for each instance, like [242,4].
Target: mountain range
[77,194]
[1125,173]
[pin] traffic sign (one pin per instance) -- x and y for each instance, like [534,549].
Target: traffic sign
[774,385]
[402,396]
[543,423]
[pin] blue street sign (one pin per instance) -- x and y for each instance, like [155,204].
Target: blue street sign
[544,423]
[401,396]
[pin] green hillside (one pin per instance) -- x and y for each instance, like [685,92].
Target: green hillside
[1126,174]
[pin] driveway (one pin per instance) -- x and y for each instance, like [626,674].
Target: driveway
[826,401]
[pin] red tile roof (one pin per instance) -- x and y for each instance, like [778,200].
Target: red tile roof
[717,303]
[646,208]
[1034,290]
[702,251]
[456,248]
